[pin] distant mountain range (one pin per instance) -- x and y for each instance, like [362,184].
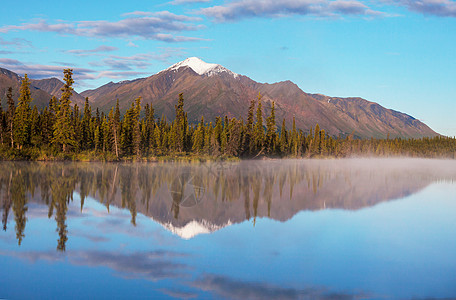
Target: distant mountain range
[211,90]
[42,90]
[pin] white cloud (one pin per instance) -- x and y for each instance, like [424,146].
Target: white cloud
[441,8]
[155,26]
[100,49]
[241,9]
[38,71]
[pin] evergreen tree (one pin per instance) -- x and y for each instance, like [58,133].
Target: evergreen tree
[157,139]
[294,139]
[179,128]
[63,129]
[35,128]
[283,138]
[234,137]
[198,137]
[322,144]
[316,148]
[136,129]
[96,137]
[10,114]
[131,134]
[217,139]
[258,132]
[77,125]
[114,125]
[126,138]
[271,131]
[21,128]
[248,135]
[107,136]
[86,140]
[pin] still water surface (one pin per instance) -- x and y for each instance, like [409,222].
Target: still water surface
[286,229]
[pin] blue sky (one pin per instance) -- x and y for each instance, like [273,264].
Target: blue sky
[399,53]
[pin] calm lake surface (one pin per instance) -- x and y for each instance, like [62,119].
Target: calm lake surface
[285,229]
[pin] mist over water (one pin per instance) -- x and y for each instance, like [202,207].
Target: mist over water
[349,228]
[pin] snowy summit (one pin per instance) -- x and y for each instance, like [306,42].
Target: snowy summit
[202,68]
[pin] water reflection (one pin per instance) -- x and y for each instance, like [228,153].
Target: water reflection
[118,228]
[189,199]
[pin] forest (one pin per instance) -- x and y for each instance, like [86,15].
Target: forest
[65,132]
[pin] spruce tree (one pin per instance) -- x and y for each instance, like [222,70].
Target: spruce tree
[283,139]
[114,125]
[259,130]
[179,128]
[136,138]
[21,129]
[316,141]
[107,137]
[63,129]
[234,137]
[86,140]
[35,127]
[198,137]
[248,135]
[294,139]
[271,130]
[217,140]
[10,114]
[126,138]
[157,139]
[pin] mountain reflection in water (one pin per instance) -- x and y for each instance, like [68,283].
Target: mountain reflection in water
[190,199]
[292,229]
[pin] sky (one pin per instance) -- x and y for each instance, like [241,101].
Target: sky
[398,53]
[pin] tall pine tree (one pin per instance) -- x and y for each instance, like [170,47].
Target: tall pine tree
[63,129]
[10,114]
[258,131]
[271,130]
[21,128]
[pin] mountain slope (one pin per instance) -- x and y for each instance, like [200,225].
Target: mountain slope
[42,90]
[211,90]
[53,86]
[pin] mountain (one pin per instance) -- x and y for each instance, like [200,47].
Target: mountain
[42,90]
[211,90]
[193,199]
[53,86]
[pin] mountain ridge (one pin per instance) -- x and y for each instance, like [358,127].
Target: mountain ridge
[211,90]
[42,90]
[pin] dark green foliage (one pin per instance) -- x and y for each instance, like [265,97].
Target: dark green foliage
[10,115]
[21,127]
[258,131]
[180,126]
[271,131]
[86,138]
[64,135]
[64,132]
[248,133]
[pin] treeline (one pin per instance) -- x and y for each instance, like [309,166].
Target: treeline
[61,131]
[139,189]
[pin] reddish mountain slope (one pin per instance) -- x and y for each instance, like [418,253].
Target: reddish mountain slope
[211,90]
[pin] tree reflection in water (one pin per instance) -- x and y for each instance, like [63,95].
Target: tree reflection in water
[218,193]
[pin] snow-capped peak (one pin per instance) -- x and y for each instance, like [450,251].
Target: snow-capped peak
[200,67]
[194,228]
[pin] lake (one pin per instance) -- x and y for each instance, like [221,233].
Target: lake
[279,229]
